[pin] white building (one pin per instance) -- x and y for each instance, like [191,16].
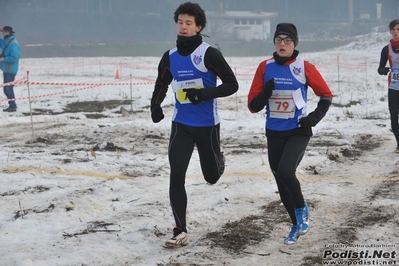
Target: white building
[240,25]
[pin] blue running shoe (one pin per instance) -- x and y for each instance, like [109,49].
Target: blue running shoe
[293,236]
[302,218]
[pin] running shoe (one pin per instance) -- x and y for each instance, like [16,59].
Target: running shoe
[179,239]
[302,218]
[293,235]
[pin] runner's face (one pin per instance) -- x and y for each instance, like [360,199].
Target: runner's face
[283,49]
[186,25]
[395,33]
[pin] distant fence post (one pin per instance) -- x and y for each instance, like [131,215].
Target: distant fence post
[339,87]
[30,107]
[131,93]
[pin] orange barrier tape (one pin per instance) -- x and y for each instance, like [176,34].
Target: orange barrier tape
[89,86]
[19,81]
[49,94]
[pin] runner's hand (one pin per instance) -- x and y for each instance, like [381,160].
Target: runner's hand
[194,95]
[306,122]
[156,113]
[268,88]
[385,71]
[314,117]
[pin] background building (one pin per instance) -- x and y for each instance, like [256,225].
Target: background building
[240,25]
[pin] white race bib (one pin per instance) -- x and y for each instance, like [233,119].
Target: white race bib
[395,74]
[281,104]
[178,87]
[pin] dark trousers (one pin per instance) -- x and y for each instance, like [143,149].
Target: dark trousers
[393,105]
[181,145]
[285,154]
[9,90]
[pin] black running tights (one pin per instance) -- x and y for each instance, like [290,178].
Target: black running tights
[285,154]
[181,145]
[393,105]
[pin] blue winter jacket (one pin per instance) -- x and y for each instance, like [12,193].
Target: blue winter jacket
[11,52]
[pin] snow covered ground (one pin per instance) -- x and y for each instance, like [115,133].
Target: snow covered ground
[84,184]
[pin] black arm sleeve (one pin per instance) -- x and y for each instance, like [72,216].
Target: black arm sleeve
[259,102]
[214,61]
[383,60]
[164,78]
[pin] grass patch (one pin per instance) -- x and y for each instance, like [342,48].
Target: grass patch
[235,236]
[94,106]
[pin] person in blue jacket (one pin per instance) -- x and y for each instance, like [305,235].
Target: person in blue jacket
[9,63]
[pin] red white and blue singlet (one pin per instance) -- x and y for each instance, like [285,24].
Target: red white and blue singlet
[288,101]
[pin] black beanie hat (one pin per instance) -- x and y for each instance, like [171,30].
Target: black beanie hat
[288,29]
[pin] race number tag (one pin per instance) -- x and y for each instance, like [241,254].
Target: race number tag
[178,87]
[395,75]
[281,104]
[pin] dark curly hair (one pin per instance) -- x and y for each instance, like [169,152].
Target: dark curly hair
[393,23]
[192,9]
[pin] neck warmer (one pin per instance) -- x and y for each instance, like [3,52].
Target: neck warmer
[187,45]
[394,43]
[282,60]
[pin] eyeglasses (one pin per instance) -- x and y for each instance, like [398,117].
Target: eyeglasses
[287,40]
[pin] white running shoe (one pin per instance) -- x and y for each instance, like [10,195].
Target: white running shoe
[178,240]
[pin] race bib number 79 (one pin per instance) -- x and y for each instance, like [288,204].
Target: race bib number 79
[281,104]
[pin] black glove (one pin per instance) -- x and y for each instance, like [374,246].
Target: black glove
[314,117]
[306,121]
[259,102]
[156,113]
[194,95]
[268,88]
[385,71]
